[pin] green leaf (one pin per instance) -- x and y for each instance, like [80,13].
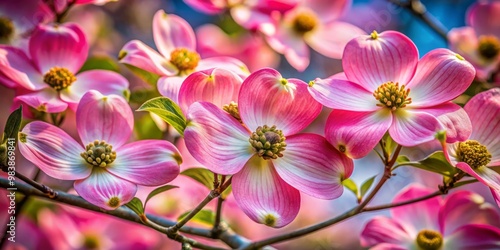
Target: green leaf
[226,192]
[366,186]
[205,216]
[201,175]
[167,110]
[437,163]
[351,185]
[402,159]
[142,95]
[136,205]
[146,76]
[390,144]
[146,128]
[158,191]
[12,125]
[100,62]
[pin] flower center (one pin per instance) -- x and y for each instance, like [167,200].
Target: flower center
[6,28]
[392,95]
[429,240]
[99,153]
[473,153]
[184,60]
[489,47]
[90,241]
[232,109]
[269,142]
[59,78]
[304,22]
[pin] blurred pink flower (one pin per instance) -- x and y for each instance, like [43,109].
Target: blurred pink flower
[251,14]
[61,5]
[312,23]
[72,228]
[176,42]
[462,221]
[479,42]
[107,171]
[250,48]
[267,167]
[17,21]
[47,77]
[373,95]
[477,153]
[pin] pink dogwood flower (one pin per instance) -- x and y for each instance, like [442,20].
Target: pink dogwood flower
[176,42]
[17,21]
[373,96]
[107,171]
[312,23]
[49,74]
[257,142]
[479,42]
[481,150]
[244,46]
[462,221]
[251,14]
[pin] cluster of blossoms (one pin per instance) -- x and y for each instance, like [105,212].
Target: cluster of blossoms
[247,125]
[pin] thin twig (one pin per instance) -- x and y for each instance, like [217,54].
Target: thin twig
[418,9]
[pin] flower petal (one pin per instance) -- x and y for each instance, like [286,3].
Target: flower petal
[484,112]
[411,127]
[417,216]
[474,237]
[105,81]
[483,174]
[224,62]
[371,62]
[464,207]
[105,190]
[59,45]
[209,7]
[441,76]
[328,10]
[342,94]
[46,100]
[107,118]
[266,98]
[171,32]
[169,86]
[53,151]
[384,230]
[147,162]
[331,39]
[286,42]
[139,55]
[454,119]
[216,139]
[484,17]
[357,133]
[263,195]
[217,86]
[18,70]
[311,165]
[464,41]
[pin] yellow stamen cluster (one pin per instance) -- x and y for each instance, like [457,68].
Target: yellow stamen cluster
[232,109]
[59,78]
[270,220]
[184,60]
[429,240]
[473,153]
[6,28]
[393,96]
[304,22]
[114,202]
[99,153]
[489,47]
[90,242]
[268,142]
